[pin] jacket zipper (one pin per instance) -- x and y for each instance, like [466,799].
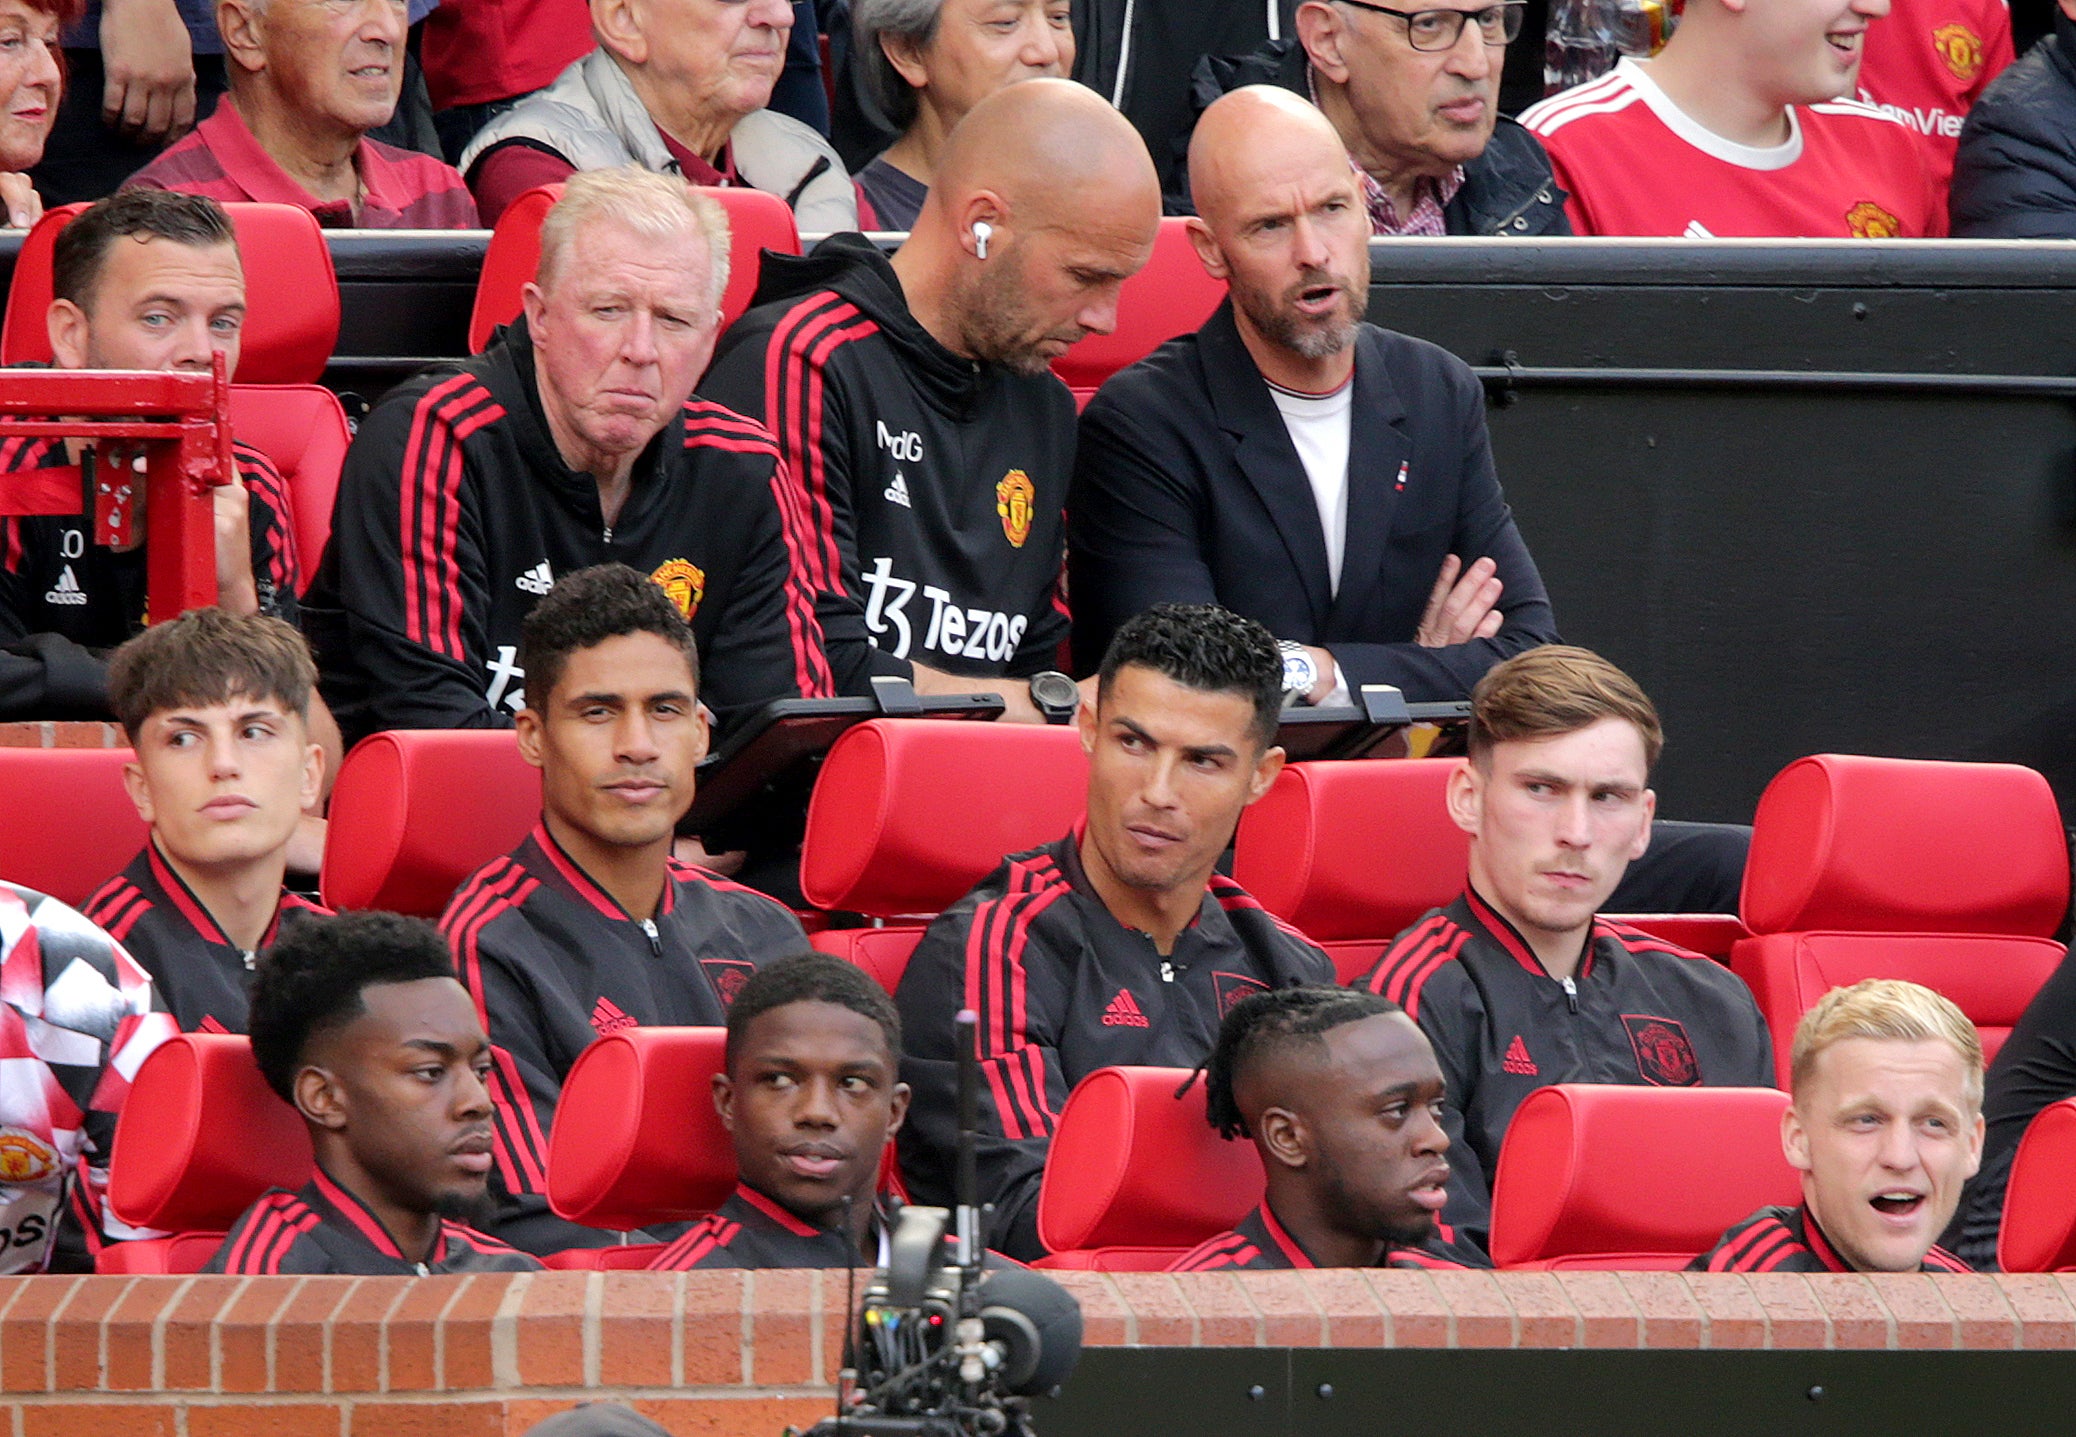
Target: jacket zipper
[1571,993]
[656,942]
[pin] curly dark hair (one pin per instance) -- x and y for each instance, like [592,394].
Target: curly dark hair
[1202,646]
[310,982]
[589,606]
[1262,1024]
[812,977]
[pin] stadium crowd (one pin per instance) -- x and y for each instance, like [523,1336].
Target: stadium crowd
[623,528]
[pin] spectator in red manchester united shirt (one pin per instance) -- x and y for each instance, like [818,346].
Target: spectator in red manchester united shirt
[1929,62]
[308,80]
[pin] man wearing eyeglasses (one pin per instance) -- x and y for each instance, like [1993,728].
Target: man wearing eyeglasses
[1414,95]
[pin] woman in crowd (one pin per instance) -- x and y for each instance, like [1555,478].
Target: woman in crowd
[31,76]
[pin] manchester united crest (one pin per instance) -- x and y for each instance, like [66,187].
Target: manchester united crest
[24,1157]
[727,975]
[1959,49]
[1868,220]
[1663,1054]
[1013,501]
[684,581]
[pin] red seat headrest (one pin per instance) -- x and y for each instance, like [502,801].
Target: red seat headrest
[1134,1164]
[2039,1229]
[293,293]
[415,812]
[302,428]
[908,814]
[1654,1174]
[1906,846]
[101,831]
[1171,296]
[636,1138]
[201,1137]
[1356,849]
[756,222]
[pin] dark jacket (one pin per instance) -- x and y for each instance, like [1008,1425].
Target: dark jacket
[1508,190]
[752,1230]
[324,1229]
[1188,490]
[1789,1239]
[2014,176]
[1259,1243]
[933,484]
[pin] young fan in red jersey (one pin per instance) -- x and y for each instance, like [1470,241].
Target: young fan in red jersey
[590,925]
[810,1094]
[1885,1128]
[216,707]
[1520,983]
[1929,61]
[1343,1098]
[1742,125]
[359,1023]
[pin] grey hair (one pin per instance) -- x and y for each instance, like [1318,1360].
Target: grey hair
[657,207]
[882,93]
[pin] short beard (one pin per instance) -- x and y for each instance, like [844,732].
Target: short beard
[460,1207]
[1300,336]
[995,320]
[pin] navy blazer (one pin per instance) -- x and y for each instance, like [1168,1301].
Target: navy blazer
[1188,489]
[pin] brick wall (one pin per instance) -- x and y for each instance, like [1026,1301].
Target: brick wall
[49,734]
[748,1352]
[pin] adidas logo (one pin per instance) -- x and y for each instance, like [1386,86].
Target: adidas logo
[1696,230]
[897,492]
[67,590]
[1123,1012]
[536,580]
[607,1018]
[1516,1060]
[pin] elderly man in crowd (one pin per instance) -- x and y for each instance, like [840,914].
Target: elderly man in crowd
[1415,98]
[567,443]
[922,64]
[678,87]
[308,80]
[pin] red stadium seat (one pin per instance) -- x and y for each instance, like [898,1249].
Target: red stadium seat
[1171,296]
[101,830]
[417,811]
[1953,875]
[303,430]
[289,281]
[1607,1176]
[2039,1227]
[1135,1177]
[756,222]
[200,1138]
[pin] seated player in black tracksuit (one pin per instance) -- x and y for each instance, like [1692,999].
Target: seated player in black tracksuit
[1519,983]
[1885,1127]
[590,925]
[358,1022]
[216,707]
[1342,1096]
[912,400]
[1118,943]
[811,1097]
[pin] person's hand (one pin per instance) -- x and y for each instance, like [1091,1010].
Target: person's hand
[236,591]
[149,66]
[1324,666]
[1463,605]
[24,205]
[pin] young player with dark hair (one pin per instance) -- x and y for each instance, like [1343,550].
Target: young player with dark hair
[1886,1130]
[216,707]
[590,925]
[1520,982]
[1342,1096]
[1119,943]
[810,1096]
[358,1022]
[151,281]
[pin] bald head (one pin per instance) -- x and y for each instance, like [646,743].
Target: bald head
[1251,138]
[1049,147]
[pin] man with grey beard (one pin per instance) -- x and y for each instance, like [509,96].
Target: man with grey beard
[1325,477]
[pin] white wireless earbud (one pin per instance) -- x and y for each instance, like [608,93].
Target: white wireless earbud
[982,232]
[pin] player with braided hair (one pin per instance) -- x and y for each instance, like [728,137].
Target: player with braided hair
[1342,1096]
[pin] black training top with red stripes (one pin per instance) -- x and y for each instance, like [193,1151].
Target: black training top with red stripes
[323,1228]
[1789,1239]
[1259,1243]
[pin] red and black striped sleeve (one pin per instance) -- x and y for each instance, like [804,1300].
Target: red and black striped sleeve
[264,1240]
[277,567]
[704,1244]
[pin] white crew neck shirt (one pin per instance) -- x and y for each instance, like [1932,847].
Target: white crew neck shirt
[1318,425]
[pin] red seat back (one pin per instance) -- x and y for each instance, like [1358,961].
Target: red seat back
[102,831]
[2039,1228]
[292,291]
[636,1138]
[200,1138]
[908,814]
[1608,1176]
[303,430]
[882,952]
[1136,1177]
[1953,875]
[756,222]
[415,812]
[1171,296]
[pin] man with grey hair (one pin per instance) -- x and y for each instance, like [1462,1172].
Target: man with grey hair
[922,64]
[570,441]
